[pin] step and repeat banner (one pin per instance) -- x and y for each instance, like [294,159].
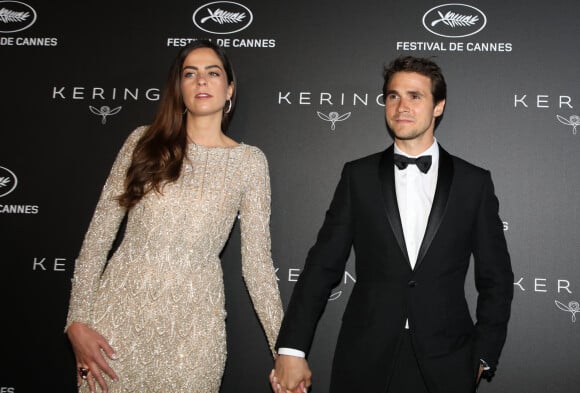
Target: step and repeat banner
[78,77]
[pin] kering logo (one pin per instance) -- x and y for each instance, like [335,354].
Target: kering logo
[543,101]
[45,264]
[573,121]
[81,93]
[454,20]
[325,98]
[294,274]
[330,99]
[104,111]
[333,117]
[15,16]
[8,181]
[572,307]
[222,17]
[549,101]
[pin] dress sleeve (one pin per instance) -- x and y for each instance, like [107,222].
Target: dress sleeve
[257,266]
[100,237]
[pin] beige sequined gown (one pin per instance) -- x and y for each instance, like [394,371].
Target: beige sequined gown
[160,300]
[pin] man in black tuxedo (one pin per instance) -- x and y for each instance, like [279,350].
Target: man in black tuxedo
[414,215]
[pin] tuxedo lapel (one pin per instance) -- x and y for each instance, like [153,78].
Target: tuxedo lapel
[444,179]
[387,178]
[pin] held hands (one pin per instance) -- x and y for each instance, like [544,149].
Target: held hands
[291,374]
[87,346]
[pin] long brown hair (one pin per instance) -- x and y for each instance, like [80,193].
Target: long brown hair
[158,155]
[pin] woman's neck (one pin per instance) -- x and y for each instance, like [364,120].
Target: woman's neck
[207,133]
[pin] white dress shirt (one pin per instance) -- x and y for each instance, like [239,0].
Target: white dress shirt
[415,192]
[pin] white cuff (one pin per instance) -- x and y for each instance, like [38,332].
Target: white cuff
[291,352]
[484,364]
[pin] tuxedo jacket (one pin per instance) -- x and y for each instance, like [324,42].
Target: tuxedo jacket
[364,216]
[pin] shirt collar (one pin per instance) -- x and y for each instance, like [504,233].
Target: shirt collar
[433,151]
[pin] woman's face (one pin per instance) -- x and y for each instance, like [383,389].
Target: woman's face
[204,83]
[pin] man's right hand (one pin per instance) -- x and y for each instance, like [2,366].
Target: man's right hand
[291,374]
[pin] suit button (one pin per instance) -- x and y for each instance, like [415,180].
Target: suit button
[412,284]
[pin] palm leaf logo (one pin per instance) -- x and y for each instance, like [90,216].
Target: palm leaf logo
[220,16]
[4,181]
[8,181]
[452,19]
[8,16]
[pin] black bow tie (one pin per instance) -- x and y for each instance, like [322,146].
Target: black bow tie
[423,162]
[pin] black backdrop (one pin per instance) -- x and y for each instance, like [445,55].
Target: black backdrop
[77,77]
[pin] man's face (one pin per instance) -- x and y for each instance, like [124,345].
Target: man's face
[409,107]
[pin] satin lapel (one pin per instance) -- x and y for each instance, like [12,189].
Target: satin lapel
[444,180]
[387,177]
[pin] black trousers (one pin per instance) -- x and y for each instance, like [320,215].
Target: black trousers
[407,376]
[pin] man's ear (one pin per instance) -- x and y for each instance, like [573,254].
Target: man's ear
[439,108]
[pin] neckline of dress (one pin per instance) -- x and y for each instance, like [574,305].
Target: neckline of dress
[196,146]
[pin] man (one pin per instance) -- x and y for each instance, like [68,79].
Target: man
[414,225]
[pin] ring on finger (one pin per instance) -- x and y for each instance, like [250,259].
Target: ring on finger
[83,372]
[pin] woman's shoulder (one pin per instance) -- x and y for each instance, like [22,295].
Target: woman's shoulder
[254,153]
[252,149]
[134,137]
[137,133]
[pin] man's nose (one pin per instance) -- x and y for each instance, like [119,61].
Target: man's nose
[403,107]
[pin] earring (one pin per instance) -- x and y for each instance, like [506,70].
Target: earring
[185,111]
[229,101]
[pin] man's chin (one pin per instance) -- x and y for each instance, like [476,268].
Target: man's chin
[406,136]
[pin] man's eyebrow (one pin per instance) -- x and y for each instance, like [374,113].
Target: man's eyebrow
[408,92]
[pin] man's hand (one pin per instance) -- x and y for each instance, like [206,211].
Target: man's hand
[291,374]
[479,373]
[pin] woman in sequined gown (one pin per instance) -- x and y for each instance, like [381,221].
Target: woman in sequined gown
[152,318]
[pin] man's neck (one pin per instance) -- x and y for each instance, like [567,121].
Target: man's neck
[414,147]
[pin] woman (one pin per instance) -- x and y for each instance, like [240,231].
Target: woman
[157,310]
